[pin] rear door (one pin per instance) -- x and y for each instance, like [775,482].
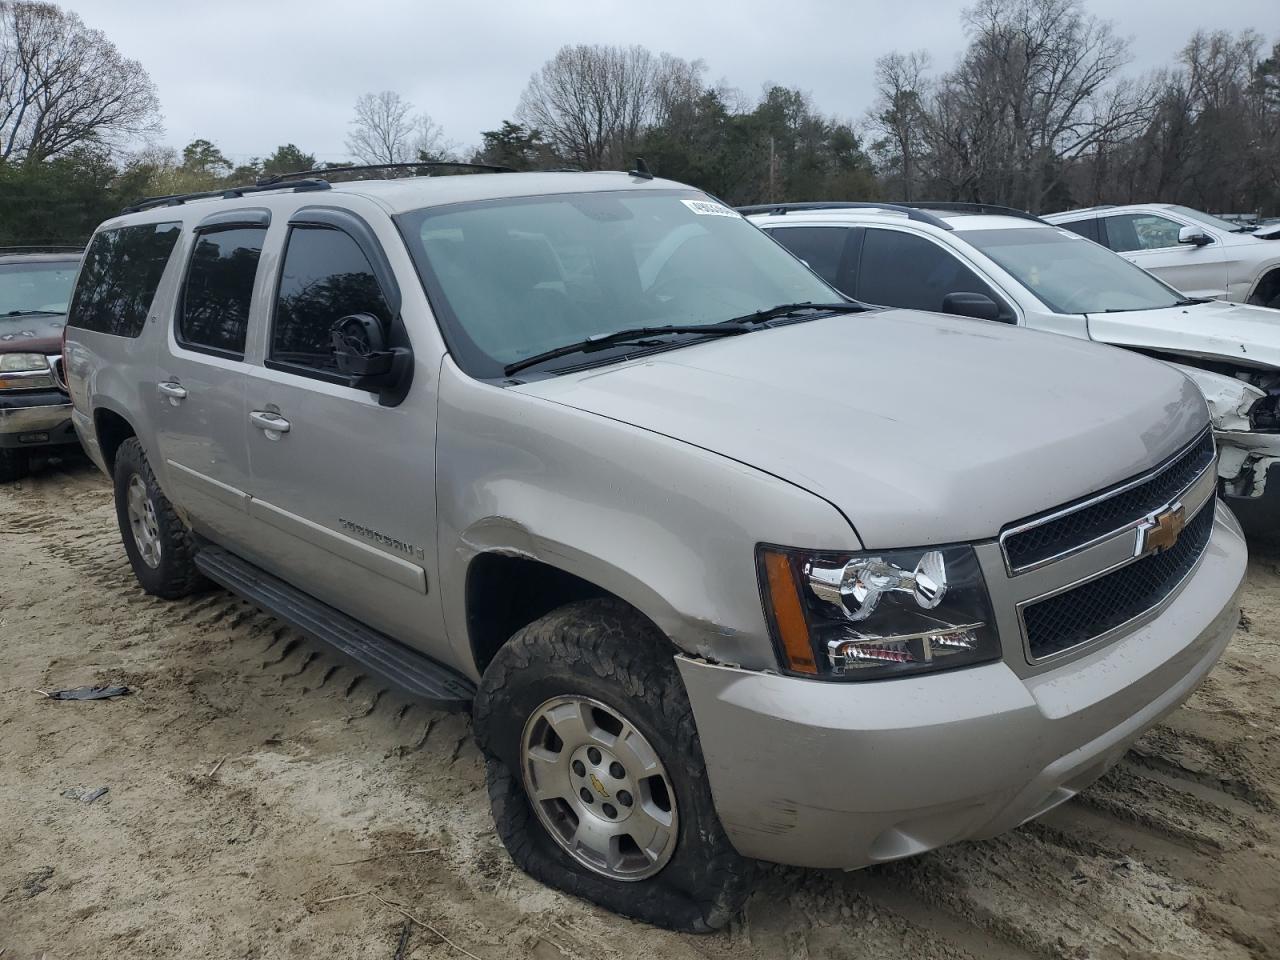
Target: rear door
[1151,241]
[199,395]
[831,251]
[1088,227]
[343,487]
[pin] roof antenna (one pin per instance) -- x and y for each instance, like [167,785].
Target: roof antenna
[641,170]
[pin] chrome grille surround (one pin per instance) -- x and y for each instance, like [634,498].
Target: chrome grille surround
[1059,533]
[1013,592]
[1103,605]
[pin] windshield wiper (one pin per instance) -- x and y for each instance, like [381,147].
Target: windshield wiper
[733,325]
[638,334]
[32,313]
[790,309]
[1184,302]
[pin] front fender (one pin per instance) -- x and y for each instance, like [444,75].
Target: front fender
[668,527]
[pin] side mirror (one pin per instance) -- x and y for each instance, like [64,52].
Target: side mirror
[1194,235]
[362,353]
[976,305]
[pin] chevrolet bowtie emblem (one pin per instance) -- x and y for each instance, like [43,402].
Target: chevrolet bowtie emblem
[1160,530]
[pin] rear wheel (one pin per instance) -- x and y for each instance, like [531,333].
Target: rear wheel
[159,545]
[14,464]
[595,772]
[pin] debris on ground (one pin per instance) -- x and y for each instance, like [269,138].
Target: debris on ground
[85,795]
[85,693]
[31,885]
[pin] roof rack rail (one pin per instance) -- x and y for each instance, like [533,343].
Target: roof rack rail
[227,193]
[1100,206]
[323,172]
[954,206]
[42,248]
[781,209]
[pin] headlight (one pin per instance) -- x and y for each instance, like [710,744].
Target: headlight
[883,613]
[22,362]
[24,371]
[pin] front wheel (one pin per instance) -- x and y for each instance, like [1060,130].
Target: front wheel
[595,772]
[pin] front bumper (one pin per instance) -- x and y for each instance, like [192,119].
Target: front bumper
[36,419]
[1259,514]
[846,775]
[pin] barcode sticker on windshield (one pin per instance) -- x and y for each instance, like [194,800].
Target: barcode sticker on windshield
[709,208]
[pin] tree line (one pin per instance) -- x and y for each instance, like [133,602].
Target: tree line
[1039,111]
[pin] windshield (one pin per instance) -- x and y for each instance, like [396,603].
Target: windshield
[513,278]
[1211,220]
[39,286]
[1070,274]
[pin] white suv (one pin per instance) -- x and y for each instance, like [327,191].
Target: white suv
[1199,254]
[996,263]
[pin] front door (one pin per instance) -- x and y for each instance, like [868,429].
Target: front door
[1151,241]
[342,487]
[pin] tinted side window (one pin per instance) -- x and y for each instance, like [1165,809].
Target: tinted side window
[214,310]
[1141,231]
[1087,228]
[903,270]
[325,277]
[118,281]
[822,248]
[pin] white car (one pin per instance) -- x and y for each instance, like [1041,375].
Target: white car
[1003,265]
[1201,255]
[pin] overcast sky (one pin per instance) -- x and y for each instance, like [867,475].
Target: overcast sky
[252,74]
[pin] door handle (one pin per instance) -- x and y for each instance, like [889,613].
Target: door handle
[272,423]
[173,391]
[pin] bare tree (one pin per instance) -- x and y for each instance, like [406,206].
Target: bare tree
[898,115]
[63,85]
[386,130]
[383,129]
[593,102]
[1038,86]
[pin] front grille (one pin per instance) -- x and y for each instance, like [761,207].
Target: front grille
[1078,615]
[1065,533]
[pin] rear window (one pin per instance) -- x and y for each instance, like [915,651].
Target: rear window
[118,281]
[214,313]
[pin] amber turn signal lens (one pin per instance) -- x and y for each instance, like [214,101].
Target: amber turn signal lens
[788,615]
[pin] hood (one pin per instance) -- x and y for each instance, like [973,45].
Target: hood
[920,428]
[1218,330]
[33,333]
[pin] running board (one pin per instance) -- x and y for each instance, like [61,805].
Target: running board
[402,667]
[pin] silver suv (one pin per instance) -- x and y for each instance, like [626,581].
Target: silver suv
[725,566]
[1199,254]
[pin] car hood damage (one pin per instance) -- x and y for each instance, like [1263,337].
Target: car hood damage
[913,424]
[31,333]
[1232,353]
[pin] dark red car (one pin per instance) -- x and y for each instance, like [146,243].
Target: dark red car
[35,411]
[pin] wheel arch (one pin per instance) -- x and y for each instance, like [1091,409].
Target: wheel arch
[112,428]
[1267,290]
[507,589]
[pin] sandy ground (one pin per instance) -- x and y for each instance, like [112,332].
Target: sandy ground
[253,781]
